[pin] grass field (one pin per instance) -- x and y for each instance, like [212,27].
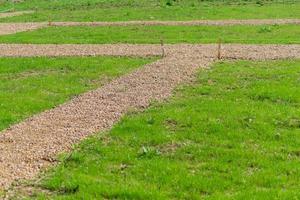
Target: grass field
[86,4]
[97,10]
[31,85]
[232,134]
[264,34]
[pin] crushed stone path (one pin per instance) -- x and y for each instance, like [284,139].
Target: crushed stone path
[12,14]
[227,22]
[32,145]
[228,51]
[11,28]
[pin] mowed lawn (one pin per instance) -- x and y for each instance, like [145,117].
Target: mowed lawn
[31,85]
[125,10]
[232,134]
[263,34]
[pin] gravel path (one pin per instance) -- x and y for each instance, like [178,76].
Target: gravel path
[78,50]
[10,28]
[12,14]
[227,22]
[229,51]
[32,145]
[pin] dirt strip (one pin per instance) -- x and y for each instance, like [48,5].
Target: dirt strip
[228,51]
[12,14]
[29,50]
[227,22]
[11,28]
[32,145]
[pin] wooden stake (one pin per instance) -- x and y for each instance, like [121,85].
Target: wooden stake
[219,56]
[162,48]
[49,22]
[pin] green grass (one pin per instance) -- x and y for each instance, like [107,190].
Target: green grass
[96,10]
[86,4]
[283,34]
[233,134]
[31,85]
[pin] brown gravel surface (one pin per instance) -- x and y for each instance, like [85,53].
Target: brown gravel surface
[12,14]
[78,50]
[229,51]
[227,22]
[32,145]
[11,28]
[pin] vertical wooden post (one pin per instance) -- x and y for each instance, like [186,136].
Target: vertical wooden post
[219,56]
[49,22]
[162,48]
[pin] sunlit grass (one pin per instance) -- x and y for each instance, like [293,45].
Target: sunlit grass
[263,34]
[232,134]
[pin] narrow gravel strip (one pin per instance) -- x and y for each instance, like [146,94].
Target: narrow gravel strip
[30,50]
[260,52]
[184,23]
[32,145]
[228,51]
[10,28]
[12,14]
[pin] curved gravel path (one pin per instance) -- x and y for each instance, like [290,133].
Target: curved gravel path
[11,28]
[32,145]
